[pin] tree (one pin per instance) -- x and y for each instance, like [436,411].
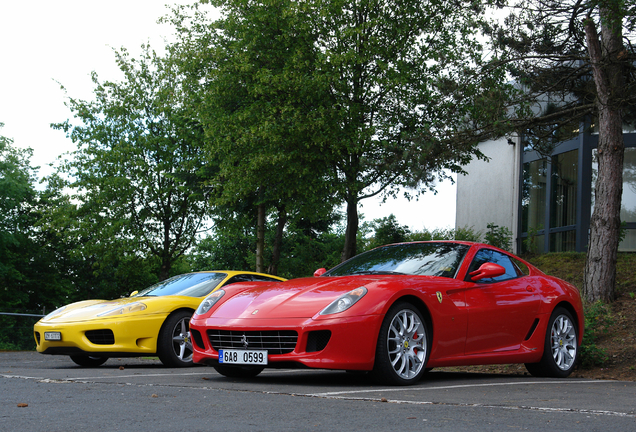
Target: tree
[388,231]
[17,198]
[138,173]
[579,57]
[257,95]
[361,88]
[389,65]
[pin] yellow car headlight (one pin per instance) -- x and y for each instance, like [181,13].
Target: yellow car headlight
[54,313]
[120,310]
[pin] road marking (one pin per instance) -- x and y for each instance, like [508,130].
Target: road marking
[402,389]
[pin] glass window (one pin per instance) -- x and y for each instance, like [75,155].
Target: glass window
[628,203]
[629,242]
[191,285]
[533,195]
[628,199]
[491,256]
[563,241]
[564,186]
[426,259]
[533,244]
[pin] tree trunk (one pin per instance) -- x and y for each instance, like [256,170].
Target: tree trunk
[351,232]
[600,267]
[260,239]
[278,241]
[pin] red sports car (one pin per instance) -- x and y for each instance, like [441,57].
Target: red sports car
[397,311]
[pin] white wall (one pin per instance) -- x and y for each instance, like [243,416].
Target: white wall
[489,192]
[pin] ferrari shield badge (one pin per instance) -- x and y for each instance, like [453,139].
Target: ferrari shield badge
[439,296]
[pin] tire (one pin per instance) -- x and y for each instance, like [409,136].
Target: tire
[403,346]
[560,352]
[88,361]
[238,371]
[174,346]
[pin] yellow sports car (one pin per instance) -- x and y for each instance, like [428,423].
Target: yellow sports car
[154,321]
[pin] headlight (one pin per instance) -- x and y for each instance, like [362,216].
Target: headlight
[120,310]
[345,301]
[52,314]
[209,301]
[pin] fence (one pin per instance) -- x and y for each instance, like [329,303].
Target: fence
[16,331]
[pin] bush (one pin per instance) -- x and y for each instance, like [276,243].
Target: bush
[597,322]
[497,236]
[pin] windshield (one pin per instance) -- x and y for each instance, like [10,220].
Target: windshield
[427,259]
[191,285]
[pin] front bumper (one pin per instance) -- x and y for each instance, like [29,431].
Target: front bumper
[133,335]
[351,345]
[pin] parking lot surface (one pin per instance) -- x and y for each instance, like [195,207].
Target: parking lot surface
[51,393]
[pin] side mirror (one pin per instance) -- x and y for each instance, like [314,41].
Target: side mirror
[487,270]
[320,272]
[134,293]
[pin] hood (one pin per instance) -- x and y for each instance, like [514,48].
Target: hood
[297,298]
[92,309]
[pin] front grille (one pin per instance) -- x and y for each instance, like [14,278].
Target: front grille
[101,337]
[274,341]
[37,337]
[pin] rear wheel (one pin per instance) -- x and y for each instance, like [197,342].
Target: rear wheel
[174,346]
[403,346]
[238,371]
[560,352]
[88,361]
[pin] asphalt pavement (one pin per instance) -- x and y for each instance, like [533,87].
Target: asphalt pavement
[51,393]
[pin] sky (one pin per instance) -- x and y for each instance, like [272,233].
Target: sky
[48,44]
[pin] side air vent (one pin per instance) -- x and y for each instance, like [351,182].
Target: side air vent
[532,329]
[318,340]
[196,337]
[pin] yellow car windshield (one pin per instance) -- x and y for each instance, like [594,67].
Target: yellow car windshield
[191,285]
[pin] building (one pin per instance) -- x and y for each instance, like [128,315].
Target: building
[546,202]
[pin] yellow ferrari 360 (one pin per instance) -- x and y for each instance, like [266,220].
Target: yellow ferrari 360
[154,321]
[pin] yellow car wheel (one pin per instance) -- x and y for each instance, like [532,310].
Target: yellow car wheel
[174,346]
[88,361]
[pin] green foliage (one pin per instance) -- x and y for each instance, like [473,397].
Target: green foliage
[461,233]
[138,172]
[253,78]
[497,236]
[387,231]
[530,243]
[17,332]
[306,247]
[344,99]
[598,320]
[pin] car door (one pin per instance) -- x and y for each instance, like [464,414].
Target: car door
[501,310]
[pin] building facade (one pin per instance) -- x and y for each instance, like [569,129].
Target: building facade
[546,202]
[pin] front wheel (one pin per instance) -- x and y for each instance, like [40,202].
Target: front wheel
[403,346]
[560,352]
[88,361]
[238,371]
[174,346]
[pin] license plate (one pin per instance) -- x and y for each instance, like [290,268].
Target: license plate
[248,357]
[52,336]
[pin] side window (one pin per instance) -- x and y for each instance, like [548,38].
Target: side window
[523,269]
[488,255]
[259,278]
[239,278]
